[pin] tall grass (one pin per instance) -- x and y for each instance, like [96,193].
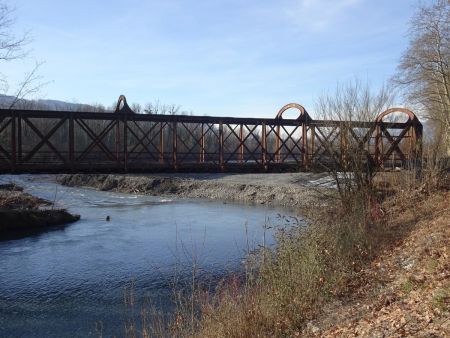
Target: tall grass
[283,288]
[310,265]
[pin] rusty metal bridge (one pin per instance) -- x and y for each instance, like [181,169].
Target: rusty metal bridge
[122,141]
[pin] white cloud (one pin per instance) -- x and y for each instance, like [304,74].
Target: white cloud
[318,15]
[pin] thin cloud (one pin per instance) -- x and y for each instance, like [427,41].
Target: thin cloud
[319,15]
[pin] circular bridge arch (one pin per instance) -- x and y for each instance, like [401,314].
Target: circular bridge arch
[302,111]
[409,113]
[289,150]
[404,144]
[122,106]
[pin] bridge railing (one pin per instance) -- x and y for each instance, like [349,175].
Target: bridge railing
[46,141]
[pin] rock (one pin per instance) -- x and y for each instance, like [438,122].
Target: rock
[408,263]
[311,328]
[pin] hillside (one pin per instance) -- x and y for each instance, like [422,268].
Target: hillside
[406,290]
[6,101]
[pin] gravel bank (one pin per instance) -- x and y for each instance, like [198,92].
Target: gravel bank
[21,213]
[291,190]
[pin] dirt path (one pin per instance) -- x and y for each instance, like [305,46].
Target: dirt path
[291,190]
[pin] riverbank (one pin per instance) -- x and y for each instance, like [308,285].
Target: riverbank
[290,190]
[350,273]
[348,278]
[405,290]
[22,213]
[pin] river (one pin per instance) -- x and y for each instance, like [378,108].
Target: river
[64,282]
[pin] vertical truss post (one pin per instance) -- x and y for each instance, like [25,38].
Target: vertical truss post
[277,145]
[378,145]
[411,145]
[418,134]
[125,144]
[161,143]
[264,145]
[117,141]
[312,131]
[221,163]
[202,143]
[381,148]
[241,143]
[174,145]
[344,146]
[71,142]
[13,143]
[305,146]
[19,138]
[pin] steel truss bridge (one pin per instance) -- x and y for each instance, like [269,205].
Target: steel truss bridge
[122,141]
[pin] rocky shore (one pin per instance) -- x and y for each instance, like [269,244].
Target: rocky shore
[290,190]
[22,213]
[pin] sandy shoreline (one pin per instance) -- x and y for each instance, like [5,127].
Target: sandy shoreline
[290,190]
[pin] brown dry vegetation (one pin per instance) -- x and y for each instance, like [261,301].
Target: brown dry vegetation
[318,265]
[12,197]
[364,269]
[405,290]
[20,213]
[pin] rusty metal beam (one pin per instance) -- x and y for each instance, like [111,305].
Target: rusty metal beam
[127,141]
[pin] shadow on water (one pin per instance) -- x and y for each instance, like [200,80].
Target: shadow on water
[32,233]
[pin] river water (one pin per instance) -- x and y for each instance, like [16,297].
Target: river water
[65,282]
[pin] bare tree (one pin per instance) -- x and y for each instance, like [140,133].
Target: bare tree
[354,101]
[349,162]
[12,47]
[31,84]
[424,70]
[137,108]
[158,108]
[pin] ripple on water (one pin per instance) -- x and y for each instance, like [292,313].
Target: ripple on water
[58,284]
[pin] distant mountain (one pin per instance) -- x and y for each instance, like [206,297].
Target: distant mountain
[6,101]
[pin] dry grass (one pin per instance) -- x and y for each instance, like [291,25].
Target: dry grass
[310,266]
[283,287]
[404,291]
[287,287]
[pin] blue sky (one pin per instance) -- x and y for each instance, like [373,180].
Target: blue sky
[228,57]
